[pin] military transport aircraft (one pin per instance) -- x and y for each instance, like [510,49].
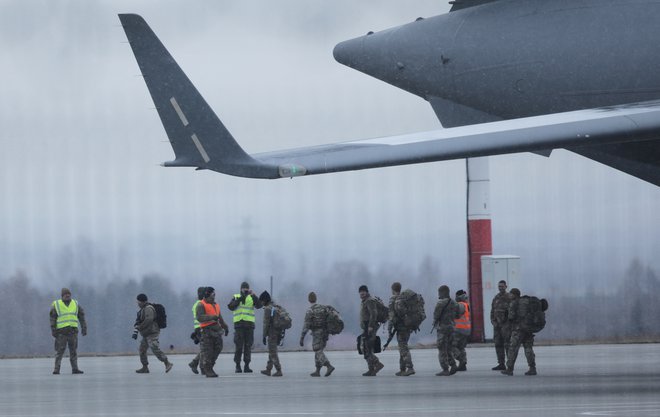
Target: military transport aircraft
[503,76]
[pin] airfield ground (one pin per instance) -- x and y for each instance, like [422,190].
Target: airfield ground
[593,380]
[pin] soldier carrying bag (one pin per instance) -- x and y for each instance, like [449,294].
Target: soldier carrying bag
[409,309]
[532,313]
[281,319]
[333,322]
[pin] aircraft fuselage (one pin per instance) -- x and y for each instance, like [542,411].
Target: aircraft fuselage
[520,58]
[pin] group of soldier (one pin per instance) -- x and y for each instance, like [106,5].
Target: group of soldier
[451,319]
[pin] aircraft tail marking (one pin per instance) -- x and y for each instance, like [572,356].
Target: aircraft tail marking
[182,116]
[200,148]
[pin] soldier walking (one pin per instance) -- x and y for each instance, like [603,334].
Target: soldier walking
[243,305]
[369,324]
[519,336]
[271,335]
[501,328]
[446,311]
[65,315]
[315,321]
[197,330]
[212,326]
[462,331]
[396,324]
[147,327]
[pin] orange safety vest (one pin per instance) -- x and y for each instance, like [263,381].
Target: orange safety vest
[211,310]
[464,322]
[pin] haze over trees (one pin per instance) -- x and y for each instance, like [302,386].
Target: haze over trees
[626,312]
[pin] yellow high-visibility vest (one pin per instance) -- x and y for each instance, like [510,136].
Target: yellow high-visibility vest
[194,309]
[67,316]
[245,311]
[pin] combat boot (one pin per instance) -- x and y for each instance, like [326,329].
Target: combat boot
[508,372]
[247,369]
[532,371]
[267,371]
[462,367]
[193,368]
[168,366]
[56,371]
[400,373]
[370,372]
[329,370]
[238,368]
[77,372]
[445,372]
[317,372]
[453,369]
[143,370]
[210,373]
[278,373]
[499,367]
[408,372]
[378,367]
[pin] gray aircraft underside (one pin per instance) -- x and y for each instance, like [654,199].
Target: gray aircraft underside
[503,76]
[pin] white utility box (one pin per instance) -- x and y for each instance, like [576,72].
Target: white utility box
[495,268]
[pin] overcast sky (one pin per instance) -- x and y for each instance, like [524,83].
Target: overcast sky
[80,148]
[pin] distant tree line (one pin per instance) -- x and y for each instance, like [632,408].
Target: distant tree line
[628,313]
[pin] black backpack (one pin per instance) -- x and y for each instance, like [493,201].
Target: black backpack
[161,315]
[532,313]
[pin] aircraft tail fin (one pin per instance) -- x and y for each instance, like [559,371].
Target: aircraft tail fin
[197,135]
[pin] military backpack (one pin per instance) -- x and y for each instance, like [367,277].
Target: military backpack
[161,315]
[409,309]
[383,312]
[531,311]
[333,322]
[281,318]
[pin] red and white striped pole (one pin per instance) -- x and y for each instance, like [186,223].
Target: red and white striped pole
[479,237]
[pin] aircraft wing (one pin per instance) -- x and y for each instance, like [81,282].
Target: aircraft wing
[200,140]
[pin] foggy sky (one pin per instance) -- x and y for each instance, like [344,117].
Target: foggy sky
[80,184]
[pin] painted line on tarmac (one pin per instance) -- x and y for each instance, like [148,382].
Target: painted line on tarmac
[606,410]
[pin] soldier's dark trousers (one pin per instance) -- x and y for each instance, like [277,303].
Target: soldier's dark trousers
[210,347]
[67,336]
[151,342]
[520,337]
[197,359]
[405,359]
[243,339]
[501,336]
[368,349]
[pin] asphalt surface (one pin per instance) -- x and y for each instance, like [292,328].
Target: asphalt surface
[596,380]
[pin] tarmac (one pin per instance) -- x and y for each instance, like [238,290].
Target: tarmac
[588,380]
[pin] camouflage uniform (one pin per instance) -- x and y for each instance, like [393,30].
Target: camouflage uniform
[315,321]
[402,337]
[519,337]
[369,320]
[211,342]
[501,326]
[273,335]
[149,330]
[446,311]
[67,336]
